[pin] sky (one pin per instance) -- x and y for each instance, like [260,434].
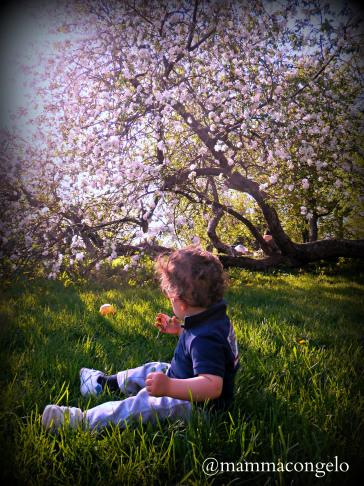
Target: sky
[23,32]
[17,29]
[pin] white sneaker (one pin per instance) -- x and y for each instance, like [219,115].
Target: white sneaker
[89,384]
[54,416]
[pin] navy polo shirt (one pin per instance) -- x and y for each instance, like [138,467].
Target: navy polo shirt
[208,346]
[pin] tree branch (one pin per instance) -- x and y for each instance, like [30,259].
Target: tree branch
[192,26]
[211,232]
[315,76]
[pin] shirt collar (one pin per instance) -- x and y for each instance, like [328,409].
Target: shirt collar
[191,321]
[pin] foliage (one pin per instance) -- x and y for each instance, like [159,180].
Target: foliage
[146,105]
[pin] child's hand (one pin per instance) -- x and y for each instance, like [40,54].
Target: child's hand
[167,325]
[157,384]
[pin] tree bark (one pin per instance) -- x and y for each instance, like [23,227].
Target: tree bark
[313,228]
[322,249]
[211,232]
[248,263]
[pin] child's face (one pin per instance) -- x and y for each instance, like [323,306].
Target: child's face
[179,307]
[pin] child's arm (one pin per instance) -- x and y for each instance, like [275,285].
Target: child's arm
[199,388]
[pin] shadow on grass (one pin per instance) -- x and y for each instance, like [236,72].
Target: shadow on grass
[53,334]
[299,306]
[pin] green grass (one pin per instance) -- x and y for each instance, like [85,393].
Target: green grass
[294,402]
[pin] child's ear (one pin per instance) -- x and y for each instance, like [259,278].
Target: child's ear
[183,304]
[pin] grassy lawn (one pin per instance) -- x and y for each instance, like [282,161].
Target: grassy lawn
[299,390]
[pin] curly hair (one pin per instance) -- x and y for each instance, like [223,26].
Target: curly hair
[193,275]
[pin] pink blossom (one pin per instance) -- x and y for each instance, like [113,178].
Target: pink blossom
[241,249]
[305,184]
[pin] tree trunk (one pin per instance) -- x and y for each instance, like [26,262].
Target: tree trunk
[313,228]
[305,235]
[340,233]
[306,253]
[322,249]
[253,263]
[211,232]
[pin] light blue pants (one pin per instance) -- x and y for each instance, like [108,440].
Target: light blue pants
[141,405]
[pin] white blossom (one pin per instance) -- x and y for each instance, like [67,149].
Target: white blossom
[241,249]
[305,184]
[160,145]
[180,220]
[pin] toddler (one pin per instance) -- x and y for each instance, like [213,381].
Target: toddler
[204,363]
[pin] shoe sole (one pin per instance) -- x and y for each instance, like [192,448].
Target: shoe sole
[88,392]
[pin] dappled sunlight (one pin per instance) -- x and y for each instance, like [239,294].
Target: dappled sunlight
[137,128]
[297,388]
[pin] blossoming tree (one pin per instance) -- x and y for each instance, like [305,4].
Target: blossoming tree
[213,107]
